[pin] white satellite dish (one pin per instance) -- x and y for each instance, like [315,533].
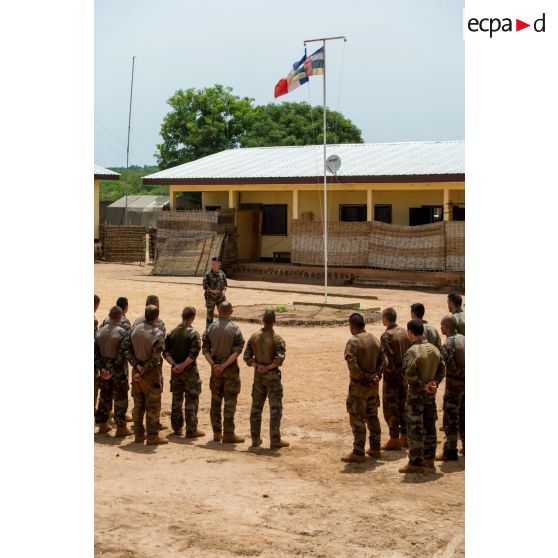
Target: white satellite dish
[333,163]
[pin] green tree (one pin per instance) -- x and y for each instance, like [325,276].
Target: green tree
[202,122]
[297,124]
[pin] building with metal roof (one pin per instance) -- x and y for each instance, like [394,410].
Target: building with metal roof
[100,173]
[404,183]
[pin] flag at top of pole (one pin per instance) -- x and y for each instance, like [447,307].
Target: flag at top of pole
[302,70]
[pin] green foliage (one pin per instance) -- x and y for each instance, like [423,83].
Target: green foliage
[205,121]
[281,309]
[112,190]
[297,124]
[202,122]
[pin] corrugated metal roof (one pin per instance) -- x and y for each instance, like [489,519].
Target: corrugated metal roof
[101,171]
[357,159]
[141,202]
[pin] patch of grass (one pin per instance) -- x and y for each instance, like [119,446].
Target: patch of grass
[278,309]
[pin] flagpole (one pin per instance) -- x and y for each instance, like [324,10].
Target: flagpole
[324,39]
[128,142]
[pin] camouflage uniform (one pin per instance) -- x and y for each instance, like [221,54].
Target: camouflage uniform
[432,335]
[365,357]
[459,316]
[160,324]
[183,342]
[220,340]
[395,343]
[112,343]
[124,322]
[146,347]
[422,364]
[216,281]
[266,347]
[95,369]
[453,352]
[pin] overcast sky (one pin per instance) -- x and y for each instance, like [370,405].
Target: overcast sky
[399,77]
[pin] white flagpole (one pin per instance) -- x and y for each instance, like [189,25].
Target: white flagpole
[325,183]
[325,157]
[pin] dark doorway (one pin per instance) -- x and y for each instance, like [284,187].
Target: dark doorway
[382,213]
[458,213]
[425,215]
[352,212]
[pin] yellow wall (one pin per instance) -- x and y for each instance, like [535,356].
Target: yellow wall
[96,209]
[400,196]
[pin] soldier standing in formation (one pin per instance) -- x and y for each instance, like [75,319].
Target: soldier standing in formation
[182,347]
[145,352]
[122,303]
[366,361]
[430,332]
[453,352]
[112,343]
[265,351]
[424,370]
[222,343]
[395,343]
[96,302]
[454,306]
[214,286]
[152,300]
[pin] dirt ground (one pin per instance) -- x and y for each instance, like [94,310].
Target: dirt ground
[200,498]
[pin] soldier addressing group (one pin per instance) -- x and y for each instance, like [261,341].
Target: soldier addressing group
[122,303]
[214,286]
[431,334]
[182,347]
[366,361]
[453,353]
[222,343]
[395,343]
[454,306]
[424,370]
[265,351]
[145,352]
[112,343]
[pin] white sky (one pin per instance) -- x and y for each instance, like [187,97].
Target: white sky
[399,77]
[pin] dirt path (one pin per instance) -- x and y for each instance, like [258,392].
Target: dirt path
[205,499]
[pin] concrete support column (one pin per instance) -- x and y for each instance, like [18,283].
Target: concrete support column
[232,199]
[96,210]
[295,204]
[172,197]
[447,208]
[369,205]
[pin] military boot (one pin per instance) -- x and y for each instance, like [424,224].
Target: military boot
[447,456]
[374,452]
[217,436]
[256,442]
[411,469]
[140,439]
[429,464]
[279,444]
[155,441]
[122,432]
[404,440]
[177,432]
[195,434]
[104,428]
[353,458]
[232,438]
[392,444]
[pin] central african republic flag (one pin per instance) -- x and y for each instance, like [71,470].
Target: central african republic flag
[302,70]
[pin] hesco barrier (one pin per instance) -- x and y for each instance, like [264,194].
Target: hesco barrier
[435,247]
[123,243]
[194,225]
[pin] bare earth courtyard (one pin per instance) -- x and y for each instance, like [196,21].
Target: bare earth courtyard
[200,498]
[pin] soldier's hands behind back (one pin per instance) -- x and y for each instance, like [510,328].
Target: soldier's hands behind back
[137,377]
[105,374]
[431,387]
